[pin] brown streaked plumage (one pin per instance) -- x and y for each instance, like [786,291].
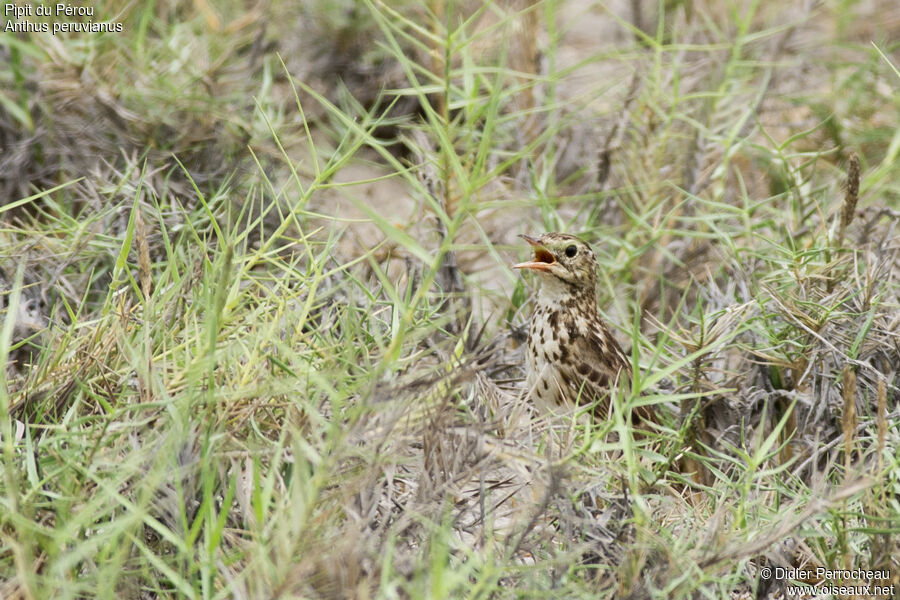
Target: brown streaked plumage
[571,357]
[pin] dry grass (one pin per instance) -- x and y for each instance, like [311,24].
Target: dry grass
[261,338]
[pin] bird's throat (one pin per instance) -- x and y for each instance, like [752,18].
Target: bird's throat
[555,293]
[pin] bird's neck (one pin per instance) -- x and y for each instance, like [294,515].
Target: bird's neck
[557,294]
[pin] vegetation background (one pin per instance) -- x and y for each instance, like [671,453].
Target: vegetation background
[261,338]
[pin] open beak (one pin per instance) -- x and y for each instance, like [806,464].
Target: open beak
[543,259]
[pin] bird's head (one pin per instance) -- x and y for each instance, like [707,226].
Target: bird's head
[563,259]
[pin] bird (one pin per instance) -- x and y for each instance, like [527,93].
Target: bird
[572,358]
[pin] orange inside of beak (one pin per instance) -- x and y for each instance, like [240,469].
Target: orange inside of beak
[543,258]
[541,255]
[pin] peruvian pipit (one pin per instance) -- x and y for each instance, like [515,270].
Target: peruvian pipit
[572,357]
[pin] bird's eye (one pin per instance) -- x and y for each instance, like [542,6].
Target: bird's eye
[571,251]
